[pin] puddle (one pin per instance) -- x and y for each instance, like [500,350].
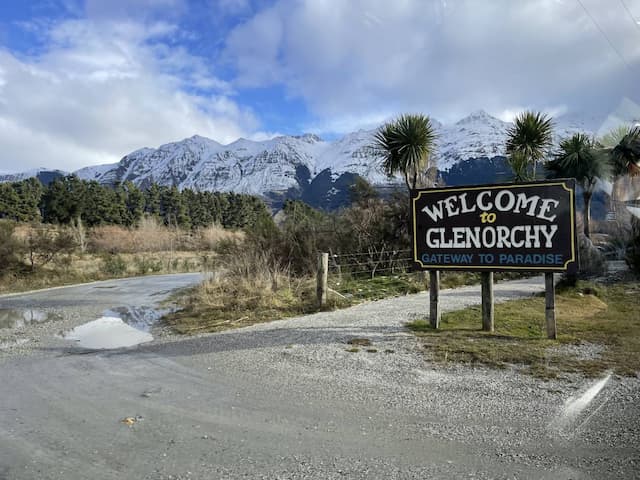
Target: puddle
[142,318]
[107,332]
[18,318]
[117,328]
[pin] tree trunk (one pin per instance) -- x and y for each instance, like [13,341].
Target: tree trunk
[587,212]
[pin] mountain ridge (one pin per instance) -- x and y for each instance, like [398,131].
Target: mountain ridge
[288,165]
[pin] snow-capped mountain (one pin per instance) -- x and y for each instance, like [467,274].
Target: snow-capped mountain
[45,175]
[475,136]
[284,162]
[290,164]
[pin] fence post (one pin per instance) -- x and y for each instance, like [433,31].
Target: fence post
[550,305]
[323,274]
[434,296]
[487,301]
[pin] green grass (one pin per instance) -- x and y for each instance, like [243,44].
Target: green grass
[605,314]
[366,288]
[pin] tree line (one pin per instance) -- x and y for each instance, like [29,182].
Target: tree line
[69,198]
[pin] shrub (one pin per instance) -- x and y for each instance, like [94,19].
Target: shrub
[113,265]
[9,246]
[44,243]
[146,265]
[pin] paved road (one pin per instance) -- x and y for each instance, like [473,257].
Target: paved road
[286,400]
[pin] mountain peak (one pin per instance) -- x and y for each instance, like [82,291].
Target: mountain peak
[476,116]
[309,138]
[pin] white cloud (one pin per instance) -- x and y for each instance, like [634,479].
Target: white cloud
[355,58]
[103,89]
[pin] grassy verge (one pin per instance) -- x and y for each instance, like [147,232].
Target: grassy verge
[606,316]
[233,302]
[76,268]
[223,304]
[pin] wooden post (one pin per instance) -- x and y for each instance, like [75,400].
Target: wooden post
[434,295]
[550,305]
[323,275]
[487,301]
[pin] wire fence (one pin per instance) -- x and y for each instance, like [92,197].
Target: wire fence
[379,261]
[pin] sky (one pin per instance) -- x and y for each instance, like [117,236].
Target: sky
[84,82]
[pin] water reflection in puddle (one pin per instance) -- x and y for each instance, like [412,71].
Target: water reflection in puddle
[119,327]
[107,332]
[18,318]
[141,318]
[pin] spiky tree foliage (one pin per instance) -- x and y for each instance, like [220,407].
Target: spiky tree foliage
[622,145]
[528,141]
[625,155]
[407,146]
[579,159]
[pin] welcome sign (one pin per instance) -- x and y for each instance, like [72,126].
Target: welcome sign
[524,226]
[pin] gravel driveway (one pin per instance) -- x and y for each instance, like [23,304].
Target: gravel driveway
[287,400]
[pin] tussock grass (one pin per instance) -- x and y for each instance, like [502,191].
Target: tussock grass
[249,287]
[607,315]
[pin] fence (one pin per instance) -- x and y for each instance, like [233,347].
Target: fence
[357,264]
[371,263]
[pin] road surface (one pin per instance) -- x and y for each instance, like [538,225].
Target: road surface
[287,400]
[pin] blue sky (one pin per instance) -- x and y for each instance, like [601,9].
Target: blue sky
[85,82]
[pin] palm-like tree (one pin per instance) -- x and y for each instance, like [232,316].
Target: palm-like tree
[528,141]
[622,145]
[625,155]
[407,145]
[579,159]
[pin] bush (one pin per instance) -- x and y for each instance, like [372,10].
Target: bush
[146,265]
[9,246]
[113,265]
[45,243]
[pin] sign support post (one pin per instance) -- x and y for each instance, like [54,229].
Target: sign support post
[487,301]
[323,274]
[434,296]
[550,305]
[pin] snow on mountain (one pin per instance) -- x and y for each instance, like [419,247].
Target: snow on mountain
[275,165]
[294,162]
[95,172]
[45,175]
[477,135]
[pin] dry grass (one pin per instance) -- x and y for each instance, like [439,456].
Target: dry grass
[77,268]
[210,237]
[249,287]
[151,236]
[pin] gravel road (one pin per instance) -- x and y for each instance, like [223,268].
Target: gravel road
[287,400]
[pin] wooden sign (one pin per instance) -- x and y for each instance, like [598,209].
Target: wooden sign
[524,226]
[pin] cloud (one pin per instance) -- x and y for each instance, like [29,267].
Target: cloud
[362,57]
[104,88]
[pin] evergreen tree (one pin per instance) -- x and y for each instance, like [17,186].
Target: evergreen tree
[135,203]
[9,202]
[152,200]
